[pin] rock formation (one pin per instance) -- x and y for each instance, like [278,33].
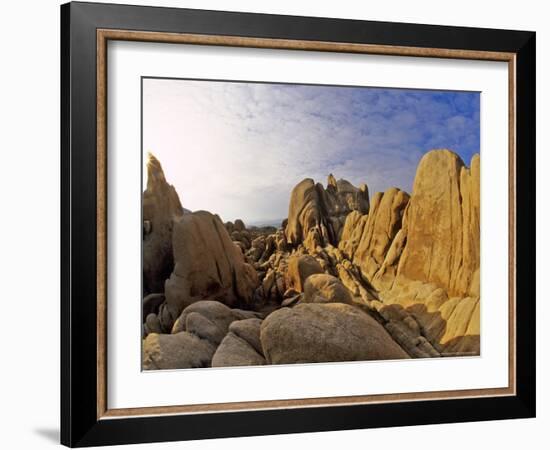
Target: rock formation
[208,265]
[241,346]
[161,205]
[176,351]
[300,267]
[342,279]
[325,333]
[316,215]
[324,288]
[203,330]
[379,231]
[442,224]
[426,255]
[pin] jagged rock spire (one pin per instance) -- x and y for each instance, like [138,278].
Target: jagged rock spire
[161,205]
[331,181]
[155,174]
[316,215]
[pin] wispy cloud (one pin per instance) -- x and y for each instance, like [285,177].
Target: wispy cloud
[237,149]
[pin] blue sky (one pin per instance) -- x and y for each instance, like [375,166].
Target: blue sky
[237,149]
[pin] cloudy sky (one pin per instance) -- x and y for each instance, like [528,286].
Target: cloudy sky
[238,149]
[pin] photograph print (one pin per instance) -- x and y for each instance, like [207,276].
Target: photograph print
[296,224]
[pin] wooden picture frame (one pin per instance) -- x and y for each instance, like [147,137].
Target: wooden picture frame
[86,418]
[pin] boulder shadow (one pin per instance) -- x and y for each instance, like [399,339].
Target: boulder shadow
[433,327]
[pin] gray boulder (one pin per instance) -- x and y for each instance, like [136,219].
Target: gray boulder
[176,351]
[235,351]
[330,332]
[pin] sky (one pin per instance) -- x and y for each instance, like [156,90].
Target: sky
[237,149]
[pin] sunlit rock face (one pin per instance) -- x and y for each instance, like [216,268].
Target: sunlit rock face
[442,224]
[431,268]
[316,215]
[379,231]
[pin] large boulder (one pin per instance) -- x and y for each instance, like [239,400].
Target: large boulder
[316,215]
[204,328]
[324,288]
[442,223]
[198,331]
[208,265]
[176,351]
[330,332]
[299,268]
[422,255]
[235,351]
[161,205]
[209,319]
[241,346]
[304,213]
[432,237]
[248,330]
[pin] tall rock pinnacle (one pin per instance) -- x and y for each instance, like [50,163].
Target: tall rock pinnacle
[161,205]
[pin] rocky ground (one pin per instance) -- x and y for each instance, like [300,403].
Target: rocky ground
[345,278]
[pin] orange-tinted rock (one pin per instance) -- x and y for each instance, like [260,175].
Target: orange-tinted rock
[442,223]
[300,267]
[382,225]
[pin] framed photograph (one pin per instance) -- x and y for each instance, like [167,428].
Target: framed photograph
[277,224]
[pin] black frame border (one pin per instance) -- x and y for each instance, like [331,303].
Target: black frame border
[79,423]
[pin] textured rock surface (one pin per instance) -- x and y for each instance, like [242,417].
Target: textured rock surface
[216,313]
[241,346]
[300,267]
[204,328]
[442,224]
[316,215]
[248,330]
[381,227]
[324,333]
[451,325]
[407,331]
[207,265]
[351,224]
[324,288]
[176,351]
[161,205]
[432,267]
[421,255]
[385,276]
[235,351]
[152,324]
[151,304]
